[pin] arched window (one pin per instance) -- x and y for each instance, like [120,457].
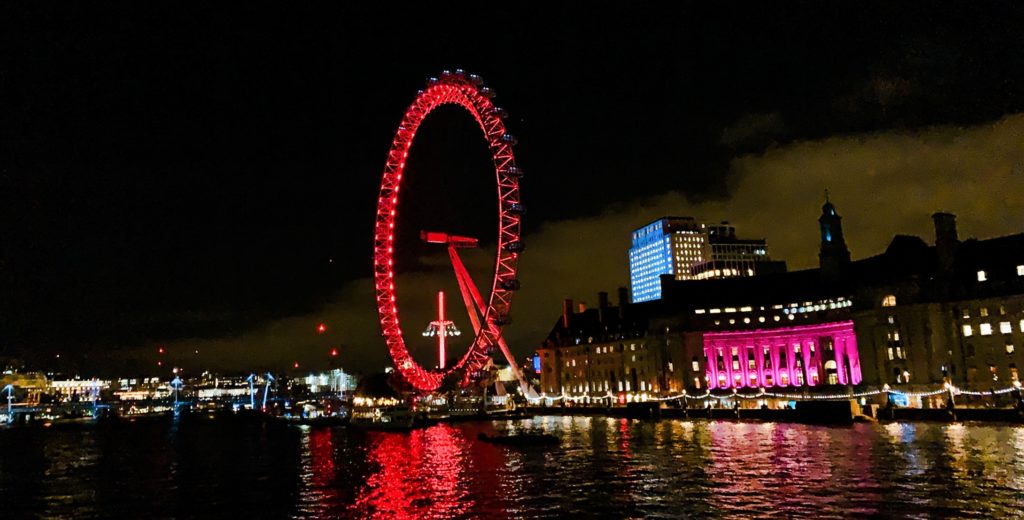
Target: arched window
[889,300]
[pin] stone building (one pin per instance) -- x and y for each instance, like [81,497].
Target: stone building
[915,318]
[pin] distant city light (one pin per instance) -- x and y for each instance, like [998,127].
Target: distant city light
[334,352]
[321,328]
[295,365]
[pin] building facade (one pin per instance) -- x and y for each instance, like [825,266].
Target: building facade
[916,318]
[690,250]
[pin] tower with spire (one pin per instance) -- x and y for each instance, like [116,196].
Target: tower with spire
[833,256]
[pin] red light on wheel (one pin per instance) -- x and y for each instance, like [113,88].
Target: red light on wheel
[296,365]
[160,350]
[321,328]
[334,352]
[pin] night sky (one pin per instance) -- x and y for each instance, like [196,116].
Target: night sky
[205,178]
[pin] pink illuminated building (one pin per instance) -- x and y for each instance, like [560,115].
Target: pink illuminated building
[804,355]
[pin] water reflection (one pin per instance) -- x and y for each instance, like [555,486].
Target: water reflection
[604,468]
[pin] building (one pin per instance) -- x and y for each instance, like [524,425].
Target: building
[911,322]
[689,250]
[600,352]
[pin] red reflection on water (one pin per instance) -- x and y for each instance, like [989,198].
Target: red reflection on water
[624,439]
[321,454]
[418,474]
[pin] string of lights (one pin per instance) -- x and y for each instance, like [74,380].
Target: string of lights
[947,388]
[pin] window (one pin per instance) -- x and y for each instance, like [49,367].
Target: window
[696,366]
[985,329]
[1020,270]
[1009,348]
[889,300]
[967,315]
[970,350]
[1002,310]
[969,331]
[982,276]
[1005,327]
[983,312]
[890,354]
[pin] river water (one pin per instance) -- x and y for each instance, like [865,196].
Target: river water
[608,468]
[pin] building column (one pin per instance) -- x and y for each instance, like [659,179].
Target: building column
[839,353]
[759,362]
[775,353]
[742,355]
[791,361]
[805,350]
[711,367]
[853,357]
[727,361]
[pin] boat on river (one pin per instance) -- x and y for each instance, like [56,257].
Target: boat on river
[383,418]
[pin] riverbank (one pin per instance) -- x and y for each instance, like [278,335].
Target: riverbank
[993,415]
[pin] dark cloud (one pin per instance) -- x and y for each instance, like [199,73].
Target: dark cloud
[882,184]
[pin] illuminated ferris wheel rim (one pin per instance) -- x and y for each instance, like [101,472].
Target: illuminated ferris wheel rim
[465,90]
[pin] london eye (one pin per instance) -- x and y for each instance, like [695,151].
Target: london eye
[488,315]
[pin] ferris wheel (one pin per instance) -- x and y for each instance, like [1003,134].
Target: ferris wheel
[488,316]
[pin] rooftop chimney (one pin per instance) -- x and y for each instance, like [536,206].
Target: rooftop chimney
[566,312]
[946,240]
[623,301]
[602,306]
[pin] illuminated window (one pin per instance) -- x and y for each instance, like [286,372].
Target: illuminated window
[890,354]
[981,276]
[696,366]
[985,329]
[1009,348]
[1005,327]
[889,301]
[967,314]
[1020,270]
[969,331]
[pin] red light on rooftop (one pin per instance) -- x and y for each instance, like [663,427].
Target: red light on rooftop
[296,365]
[334,352]
[321,328]
[160,350]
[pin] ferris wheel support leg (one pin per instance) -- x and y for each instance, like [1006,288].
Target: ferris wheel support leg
[471,295]
[460,273]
